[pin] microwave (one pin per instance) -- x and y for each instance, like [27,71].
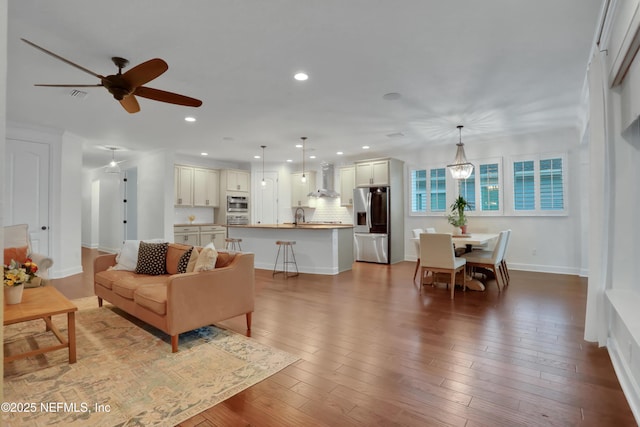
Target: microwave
[237,204]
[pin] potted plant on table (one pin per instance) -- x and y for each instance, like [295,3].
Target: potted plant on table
[457,217]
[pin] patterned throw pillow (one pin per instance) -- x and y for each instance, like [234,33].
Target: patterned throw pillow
[152,258]
[184,261]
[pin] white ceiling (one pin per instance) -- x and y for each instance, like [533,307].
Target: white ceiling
[499,67]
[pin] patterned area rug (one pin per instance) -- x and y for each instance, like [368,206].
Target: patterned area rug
[126,373]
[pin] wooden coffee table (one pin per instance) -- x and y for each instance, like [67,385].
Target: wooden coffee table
[42,303]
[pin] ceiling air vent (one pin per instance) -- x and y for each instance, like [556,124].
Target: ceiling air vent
[79,94]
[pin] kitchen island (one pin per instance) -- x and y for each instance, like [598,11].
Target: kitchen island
[319,249]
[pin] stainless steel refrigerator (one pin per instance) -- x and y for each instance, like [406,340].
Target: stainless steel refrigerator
[371,224]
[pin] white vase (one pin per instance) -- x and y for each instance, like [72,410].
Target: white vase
[13,294]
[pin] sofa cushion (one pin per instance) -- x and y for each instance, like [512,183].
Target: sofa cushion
[152,258]
[224,259]
[127,286]
[19,254]
[152,297]
[108,277]
[175,251]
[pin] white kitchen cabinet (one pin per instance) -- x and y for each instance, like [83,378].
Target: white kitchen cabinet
[299,189]
[183,185]
[206,187]
[215,234]
[347,184]
[235,180]
[372,173]
[187,235]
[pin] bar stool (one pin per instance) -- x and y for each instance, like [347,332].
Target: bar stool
[288,246]
[232,244]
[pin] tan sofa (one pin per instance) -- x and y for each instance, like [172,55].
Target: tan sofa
[180,302]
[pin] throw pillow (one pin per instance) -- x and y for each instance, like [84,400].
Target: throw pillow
[225,258]
[174,254]
[184,261]
[18,254]
[206,259]
[152,258]
[127,258]
[192,260]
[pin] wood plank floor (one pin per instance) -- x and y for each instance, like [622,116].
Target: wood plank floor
[374,351]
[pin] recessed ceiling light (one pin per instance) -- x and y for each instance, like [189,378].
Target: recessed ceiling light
[189,119]
[298,145]
[204,154]
[256,157]
[289,160]
[300,76]
[339,153]
[312,157]
[365,147]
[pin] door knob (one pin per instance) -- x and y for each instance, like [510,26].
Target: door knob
[44,227]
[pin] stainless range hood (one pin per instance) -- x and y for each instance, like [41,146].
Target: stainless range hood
[327,189]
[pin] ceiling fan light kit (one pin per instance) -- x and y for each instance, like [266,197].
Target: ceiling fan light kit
[125,87]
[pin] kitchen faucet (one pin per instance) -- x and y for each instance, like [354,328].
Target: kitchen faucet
[296,216]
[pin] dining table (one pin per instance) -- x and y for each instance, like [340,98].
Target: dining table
[468,241]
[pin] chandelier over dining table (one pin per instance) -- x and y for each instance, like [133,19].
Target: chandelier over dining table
[460,168]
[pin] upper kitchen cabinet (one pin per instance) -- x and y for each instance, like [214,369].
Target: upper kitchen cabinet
[300,190]
[183,185]
[372,173]
[235,180]
[206,187]
[347,184]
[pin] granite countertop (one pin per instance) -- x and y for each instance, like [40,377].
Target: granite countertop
[290,226]
[200,224]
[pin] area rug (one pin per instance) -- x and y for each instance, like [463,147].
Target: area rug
[126,373]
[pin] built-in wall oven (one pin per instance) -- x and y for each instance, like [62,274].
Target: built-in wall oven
[237,204]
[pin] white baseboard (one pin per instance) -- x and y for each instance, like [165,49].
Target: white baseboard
[58,274]
[89,245]
[556,269]
[625,377]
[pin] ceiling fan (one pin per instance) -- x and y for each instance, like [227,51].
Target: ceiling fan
[125,87]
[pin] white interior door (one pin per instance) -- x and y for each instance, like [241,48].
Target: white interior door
[266,209]
[27,190]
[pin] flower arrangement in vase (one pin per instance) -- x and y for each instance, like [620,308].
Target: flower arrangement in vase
[192,218]
[16,274]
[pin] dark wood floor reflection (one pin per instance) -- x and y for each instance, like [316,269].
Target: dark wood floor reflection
[374,351]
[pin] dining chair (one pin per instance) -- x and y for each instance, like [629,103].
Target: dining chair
[416,234]
[491,260]
[437,256]
[503,264]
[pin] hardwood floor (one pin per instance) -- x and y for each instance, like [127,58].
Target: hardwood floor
[375,352]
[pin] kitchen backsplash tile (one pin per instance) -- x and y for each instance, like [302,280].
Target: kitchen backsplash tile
[329,210]
[203,215]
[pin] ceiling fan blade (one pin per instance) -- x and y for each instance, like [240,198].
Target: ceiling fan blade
[130,103]
[47,85]
[164,96]
[145,72]
[62,59]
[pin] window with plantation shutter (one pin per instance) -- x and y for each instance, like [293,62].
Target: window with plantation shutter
[489,187]
[428,190]
[539,185]
[419,191]
[438,189]
[551,187]
[468,191]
